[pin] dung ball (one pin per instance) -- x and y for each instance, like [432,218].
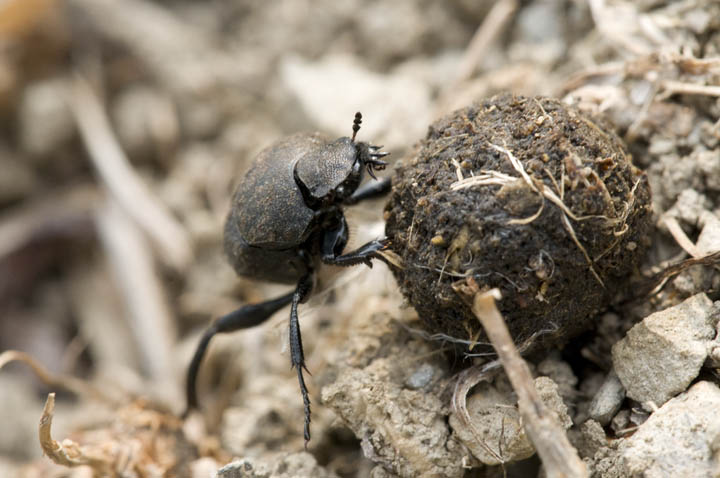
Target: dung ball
[527,195]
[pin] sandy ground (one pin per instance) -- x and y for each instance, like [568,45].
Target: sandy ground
[125,126]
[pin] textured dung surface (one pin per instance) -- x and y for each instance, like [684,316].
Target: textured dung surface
[445,235]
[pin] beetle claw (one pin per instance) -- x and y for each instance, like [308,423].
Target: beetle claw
[370,171]
[376,163]
[376,154]
[373,164]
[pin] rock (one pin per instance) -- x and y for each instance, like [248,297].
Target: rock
[549,394]
[698,19]
[495,422]
[200,119]
[238,469]
[9,467]
[689,206]
[561,373]
[409,34]
[379,471]
[146,120]
[370,385]
[395,107]
[421,377]
[606,464]
[680,439]
[709,164]
[638,416]
[620,422]
[670,176]
[587,389]
[205,466]
[496,434]
[608,399]
[46,121]
[18,413]
[709,239]
[591,439]
[540,33]
[268,414]
[404,429]
[18,179]
[286,466]
[540,21]
[661,355]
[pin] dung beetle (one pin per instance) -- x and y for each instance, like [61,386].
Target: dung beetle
[285,220]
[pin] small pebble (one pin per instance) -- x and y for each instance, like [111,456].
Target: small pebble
[421,377]
[608,399]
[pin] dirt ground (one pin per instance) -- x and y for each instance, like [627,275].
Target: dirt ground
[124,128]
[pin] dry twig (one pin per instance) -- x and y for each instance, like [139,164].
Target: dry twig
[557,454]
[465,381]
[66,382]
[137,442]
[150,318]
[68,453]
[493,24]
[169,236]
[52,214]
[680,237]
[656,282]
[685,88]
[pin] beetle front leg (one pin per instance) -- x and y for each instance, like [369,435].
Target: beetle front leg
[362,255]
[334,242]
[370,190]
[297,355]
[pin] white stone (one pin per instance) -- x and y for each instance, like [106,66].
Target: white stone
[680,439]
[662,355]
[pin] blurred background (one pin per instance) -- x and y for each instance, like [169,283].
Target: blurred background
[124,125]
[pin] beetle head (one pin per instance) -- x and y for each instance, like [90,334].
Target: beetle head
[331,173]
[369,155]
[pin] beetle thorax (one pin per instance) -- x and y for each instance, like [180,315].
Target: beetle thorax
[330,174]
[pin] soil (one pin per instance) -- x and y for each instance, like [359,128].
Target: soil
[126,125]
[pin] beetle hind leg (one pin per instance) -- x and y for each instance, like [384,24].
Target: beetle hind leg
[297,355]
[242,318]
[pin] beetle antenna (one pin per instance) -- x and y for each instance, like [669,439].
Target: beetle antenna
[356,124]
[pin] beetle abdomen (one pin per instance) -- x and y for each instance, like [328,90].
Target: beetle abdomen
[284,266]
[268,208]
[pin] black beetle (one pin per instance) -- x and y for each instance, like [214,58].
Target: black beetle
[286,218]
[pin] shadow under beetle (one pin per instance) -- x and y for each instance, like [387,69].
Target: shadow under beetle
[286,218]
